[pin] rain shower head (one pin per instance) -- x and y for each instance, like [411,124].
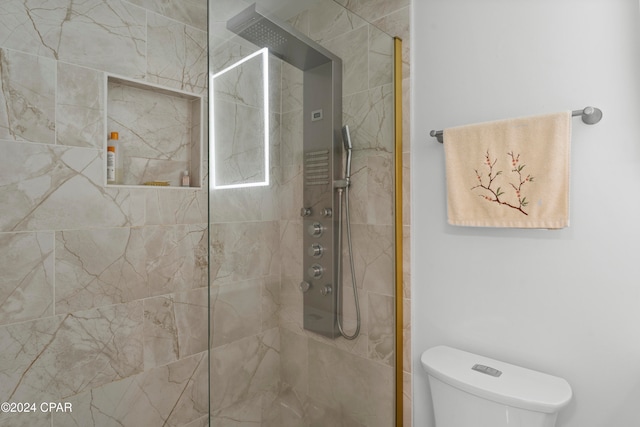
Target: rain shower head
[280,38]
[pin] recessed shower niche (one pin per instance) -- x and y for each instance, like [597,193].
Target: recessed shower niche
[160,132]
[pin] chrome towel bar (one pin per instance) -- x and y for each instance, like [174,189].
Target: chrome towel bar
[590,116]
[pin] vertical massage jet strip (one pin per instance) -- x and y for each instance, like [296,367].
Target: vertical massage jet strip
[342,187]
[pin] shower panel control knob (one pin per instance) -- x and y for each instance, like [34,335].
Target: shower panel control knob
[326,290]
[304,286]
[327,212]
[315,271]
[315,250]
[305,212]
[315,229]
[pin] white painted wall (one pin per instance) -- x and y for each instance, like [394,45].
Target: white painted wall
[564,302]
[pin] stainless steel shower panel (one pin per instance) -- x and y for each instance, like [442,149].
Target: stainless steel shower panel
[322,151]
[281,38]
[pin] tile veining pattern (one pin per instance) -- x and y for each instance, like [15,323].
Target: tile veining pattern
[103,290]
[103,298]
[266,369]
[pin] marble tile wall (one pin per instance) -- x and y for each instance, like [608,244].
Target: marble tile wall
[103,291]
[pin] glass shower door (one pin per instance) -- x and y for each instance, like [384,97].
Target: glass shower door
[267,366]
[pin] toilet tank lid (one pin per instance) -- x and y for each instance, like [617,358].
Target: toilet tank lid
[516,386]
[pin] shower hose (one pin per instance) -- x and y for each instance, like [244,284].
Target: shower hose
[353,274]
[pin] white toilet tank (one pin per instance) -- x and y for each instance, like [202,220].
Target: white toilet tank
[474,391]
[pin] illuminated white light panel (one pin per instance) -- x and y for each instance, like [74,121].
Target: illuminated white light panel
[212,152]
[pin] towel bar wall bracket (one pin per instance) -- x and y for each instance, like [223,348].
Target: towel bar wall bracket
[590,116]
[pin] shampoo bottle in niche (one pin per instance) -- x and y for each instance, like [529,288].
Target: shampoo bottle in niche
[185,179]
[113,171]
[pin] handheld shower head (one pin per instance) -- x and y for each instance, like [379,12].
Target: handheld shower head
[346,138]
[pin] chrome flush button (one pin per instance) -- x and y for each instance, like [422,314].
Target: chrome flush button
[487,370]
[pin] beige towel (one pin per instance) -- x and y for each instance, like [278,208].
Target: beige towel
[510,173]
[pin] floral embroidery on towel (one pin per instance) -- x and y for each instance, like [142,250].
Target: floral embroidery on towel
[489,183]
